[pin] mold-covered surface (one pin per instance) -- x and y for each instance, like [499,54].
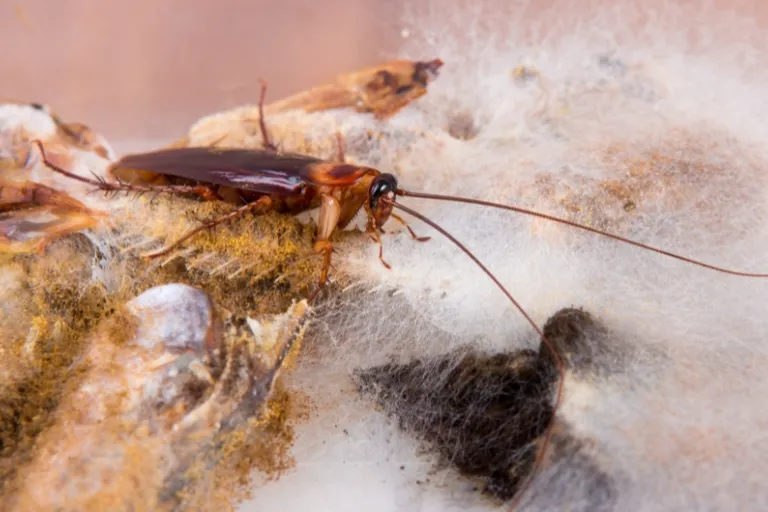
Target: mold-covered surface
[487,414]
[636,133]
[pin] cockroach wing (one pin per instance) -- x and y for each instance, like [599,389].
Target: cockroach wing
[266,172]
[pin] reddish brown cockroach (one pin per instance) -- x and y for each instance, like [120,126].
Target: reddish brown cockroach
[32,215]
[267,180]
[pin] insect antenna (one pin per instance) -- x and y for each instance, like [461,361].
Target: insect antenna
[533,213]
[556,358]
[51,165]
[265,139]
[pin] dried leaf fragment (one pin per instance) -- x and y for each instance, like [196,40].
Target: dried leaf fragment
[382,90]
[21,122]
[33,215]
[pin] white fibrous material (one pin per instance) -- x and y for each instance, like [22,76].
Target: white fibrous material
[425,388]
[648,123]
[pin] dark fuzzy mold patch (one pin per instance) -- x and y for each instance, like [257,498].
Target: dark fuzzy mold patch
[479,413]
[462,126]
[483,414]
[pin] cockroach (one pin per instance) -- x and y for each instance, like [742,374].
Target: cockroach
[32,215]
[259,181]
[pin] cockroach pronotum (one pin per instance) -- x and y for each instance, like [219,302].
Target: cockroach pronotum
[265,180]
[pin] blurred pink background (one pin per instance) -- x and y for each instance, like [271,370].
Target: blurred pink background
[143,69]
[148,68]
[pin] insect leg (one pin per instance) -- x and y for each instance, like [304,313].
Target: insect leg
[376,238]
[265,141]
[402,221]
[102,184]
[258,207]
[330,211]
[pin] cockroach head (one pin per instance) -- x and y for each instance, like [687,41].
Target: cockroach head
[383,186]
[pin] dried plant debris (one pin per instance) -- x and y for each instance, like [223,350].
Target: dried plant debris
[54,300]
[21,122]
[484,414]
[33,215]
[382,90]
[46,212]
[165,389]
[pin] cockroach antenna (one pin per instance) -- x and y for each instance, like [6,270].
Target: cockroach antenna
[517,209]
[558,362]
[290,183]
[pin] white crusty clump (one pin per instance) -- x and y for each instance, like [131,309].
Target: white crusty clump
[681,427]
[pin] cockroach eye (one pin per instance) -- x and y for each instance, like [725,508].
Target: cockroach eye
[386,184]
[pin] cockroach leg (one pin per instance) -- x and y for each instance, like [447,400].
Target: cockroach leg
[202,191]
[376,238]
[326,248]
[258,207]
[328,219]
[265,141]
[402,221]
